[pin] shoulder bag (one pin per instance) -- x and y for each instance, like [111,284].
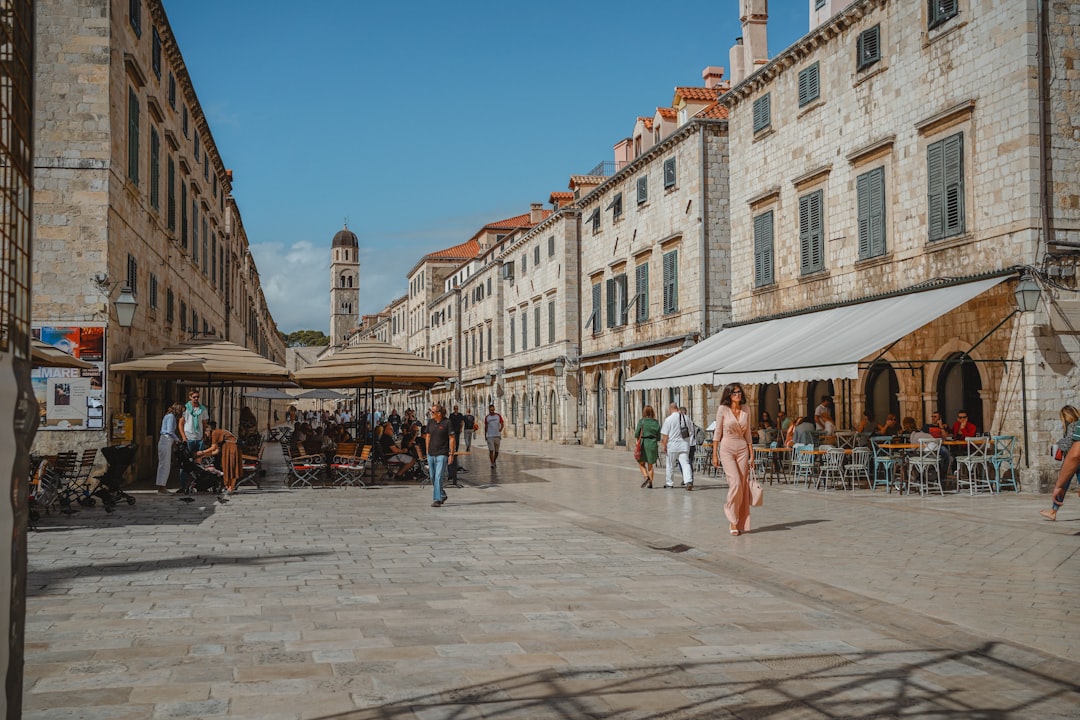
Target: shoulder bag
[637,446]
[757,493]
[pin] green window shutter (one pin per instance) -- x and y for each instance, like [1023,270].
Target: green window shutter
[170,182]
[551,321]
[513,338]
[669,173]
[595,319]
[868,47]
[809,84]
[609,286]
[876,190]
[763,249]
[762,112]
[524,330]
[939,11]
[811,239]
[621,298]
[133,136]
[536,326]
[183,216]
[945,187]
[155,169]
[642,189]
[194,230]
[641,285]
[671,282]
[953,153]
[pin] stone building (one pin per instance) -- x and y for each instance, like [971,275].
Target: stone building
[920,157]
[654,272]
[133,204]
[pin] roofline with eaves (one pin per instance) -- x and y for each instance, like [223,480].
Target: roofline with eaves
[690,128]
[797,51]
[541,228]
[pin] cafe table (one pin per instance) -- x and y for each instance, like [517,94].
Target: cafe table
[776,455]
[905,448]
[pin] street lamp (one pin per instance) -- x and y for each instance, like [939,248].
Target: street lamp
[1027,294]
[559,367]
[125,307]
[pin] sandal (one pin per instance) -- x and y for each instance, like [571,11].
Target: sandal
[734,531]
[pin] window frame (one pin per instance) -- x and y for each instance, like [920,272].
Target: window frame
[134,112]
[762,113]
[863,60]
[764,249]
[671,175]
[937,15]
[812,232]
[872,231]
[809,84]
[642,189]
[951,151]
[641,288]
[135,16]
[671,281]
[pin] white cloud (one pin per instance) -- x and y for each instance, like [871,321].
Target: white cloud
[296,282]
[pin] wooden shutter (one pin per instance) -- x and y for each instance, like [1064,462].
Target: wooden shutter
[513,337]
[524,329]
[762,112]
[595,319]
[536,324]
[621,298]
[671,282]
[642,189]
[868,47]
[551,321]
[945,187]
[811,239]
[609,285]
[133,136]
[641,285]
[669,173]
[763,249]
[809,84]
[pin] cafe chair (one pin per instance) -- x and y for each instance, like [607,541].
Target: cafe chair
[858,467]
[884,463]
[921,465]
[832,469]
[802,463]
[1001,459]
[973,469]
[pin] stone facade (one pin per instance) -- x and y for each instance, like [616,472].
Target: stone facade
[963,88]
[661,221]
[131,191]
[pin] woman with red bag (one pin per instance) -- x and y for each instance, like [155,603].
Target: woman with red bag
[647,433]
[1070,420]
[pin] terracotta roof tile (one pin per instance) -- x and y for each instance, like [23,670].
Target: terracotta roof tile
[667,113]
[647,122]
[464,251]
[695,93]
[517,221]
[715,111]
[560,195]
[576,180]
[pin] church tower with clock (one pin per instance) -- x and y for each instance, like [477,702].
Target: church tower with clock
[344,286]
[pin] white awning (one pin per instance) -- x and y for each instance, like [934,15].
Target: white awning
[823,345]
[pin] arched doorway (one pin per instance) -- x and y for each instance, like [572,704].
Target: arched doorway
[601,408]
[768,401]
[621,408]
[513,412]
[538,415]
[958,389]
[881,390]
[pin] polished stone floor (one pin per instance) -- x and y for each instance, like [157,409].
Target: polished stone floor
[554,587]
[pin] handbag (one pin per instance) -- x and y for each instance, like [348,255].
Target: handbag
[757,493]
[637,448]
[1056,452]
[683,430]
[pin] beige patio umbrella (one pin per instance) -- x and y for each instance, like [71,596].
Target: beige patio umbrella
[372,364]
[209,361]
[45,355]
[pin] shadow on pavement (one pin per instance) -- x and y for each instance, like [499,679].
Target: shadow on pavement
[786,526]
[44,582]
[931,682]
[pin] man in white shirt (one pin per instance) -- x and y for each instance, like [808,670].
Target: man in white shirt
[675,436]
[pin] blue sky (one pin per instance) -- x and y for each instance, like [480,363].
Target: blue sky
[422,121]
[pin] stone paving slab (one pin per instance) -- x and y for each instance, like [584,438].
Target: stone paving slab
[553,588]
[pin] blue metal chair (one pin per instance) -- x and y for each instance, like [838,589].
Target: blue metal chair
[803,463]
[884,463]
[1001,459]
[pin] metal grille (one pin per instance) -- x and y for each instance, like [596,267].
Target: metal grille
[16,173]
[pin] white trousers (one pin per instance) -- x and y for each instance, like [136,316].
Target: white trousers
[164,453]
[683,458]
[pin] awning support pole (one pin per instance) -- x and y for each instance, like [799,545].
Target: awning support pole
[1023,404]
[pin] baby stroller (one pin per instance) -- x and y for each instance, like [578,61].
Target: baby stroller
[108,487]
[204,476]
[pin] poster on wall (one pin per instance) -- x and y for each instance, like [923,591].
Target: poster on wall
[70,399]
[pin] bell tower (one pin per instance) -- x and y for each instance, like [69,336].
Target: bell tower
[344,285]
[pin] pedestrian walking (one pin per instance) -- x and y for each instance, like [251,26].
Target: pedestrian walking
[493,427]
[648,431]
[170,435]
[1070,420]
[733,447]
[191,432]
[468,428]
[441,447]
[675,441]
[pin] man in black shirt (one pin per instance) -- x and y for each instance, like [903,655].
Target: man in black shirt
[457,424]
[441,445]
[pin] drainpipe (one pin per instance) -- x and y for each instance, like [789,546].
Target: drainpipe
[702,245]
[1044,150]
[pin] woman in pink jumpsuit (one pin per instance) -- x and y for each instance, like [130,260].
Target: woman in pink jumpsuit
[733,447]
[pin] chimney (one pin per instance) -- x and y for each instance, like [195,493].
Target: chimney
[713,76]
[536,213]
[753,15]
[737,55]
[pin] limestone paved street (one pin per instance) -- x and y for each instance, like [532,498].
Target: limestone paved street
[554,588]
